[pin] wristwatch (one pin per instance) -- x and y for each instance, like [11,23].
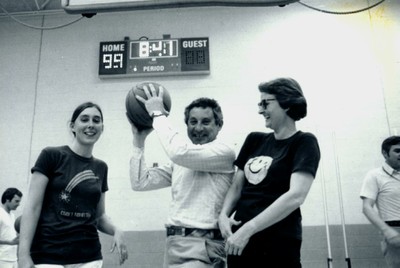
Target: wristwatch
[156,114]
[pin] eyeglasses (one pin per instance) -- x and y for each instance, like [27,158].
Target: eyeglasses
[264,103]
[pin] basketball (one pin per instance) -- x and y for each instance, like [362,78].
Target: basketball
[136,111]
[17,224]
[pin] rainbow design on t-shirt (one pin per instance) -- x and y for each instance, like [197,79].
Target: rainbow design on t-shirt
[78,178]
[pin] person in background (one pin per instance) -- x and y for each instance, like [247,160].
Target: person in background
[200,173]
[9,239]
[274,174]
[66,201]
[381,186]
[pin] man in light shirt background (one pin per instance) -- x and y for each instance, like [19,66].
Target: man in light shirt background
[381,186]
[9,239]
[200,173]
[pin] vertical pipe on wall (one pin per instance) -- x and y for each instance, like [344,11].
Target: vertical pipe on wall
[339,185]
[324,201]
[34,100]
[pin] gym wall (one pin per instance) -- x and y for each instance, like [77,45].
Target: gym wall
[347,65]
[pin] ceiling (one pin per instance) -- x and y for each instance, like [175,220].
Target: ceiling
[44,6]
[29,6]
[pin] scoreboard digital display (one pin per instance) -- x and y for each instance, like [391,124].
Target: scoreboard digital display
[179,56]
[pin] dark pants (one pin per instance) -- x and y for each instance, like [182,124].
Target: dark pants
[268,253]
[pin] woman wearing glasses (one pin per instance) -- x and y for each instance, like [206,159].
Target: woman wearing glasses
[274,175]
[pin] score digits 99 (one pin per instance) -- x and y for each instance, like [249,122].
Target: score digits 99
[113,57]
[112,61]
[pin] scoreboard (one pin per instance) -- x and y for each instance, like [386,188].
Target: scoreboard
[144,57]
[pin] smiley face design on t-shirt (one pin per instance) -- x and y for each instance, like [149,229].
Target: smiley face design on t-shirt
[256,168]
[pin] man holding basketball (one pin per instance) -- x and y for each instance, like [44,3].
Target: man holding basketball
[9,240]
[200,173]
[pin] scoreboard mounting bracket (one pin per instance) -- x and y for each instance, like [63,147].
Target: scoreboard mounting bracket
[154,57]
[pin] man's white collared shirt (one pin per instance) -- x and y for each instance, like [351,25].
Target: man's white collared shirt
[383,185]
[200,176]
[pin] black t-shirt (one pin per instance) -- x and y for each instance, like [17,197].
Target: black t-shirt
[268,164]
[66,232]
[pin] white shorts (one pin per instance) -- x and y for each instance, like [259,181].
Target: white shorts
[92,264]
[8,264]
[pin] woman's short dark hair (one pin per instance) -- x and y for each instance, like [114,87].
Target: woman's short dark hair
[289,95]
[84,106]
[9,194]
[205,103]
[389,142]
